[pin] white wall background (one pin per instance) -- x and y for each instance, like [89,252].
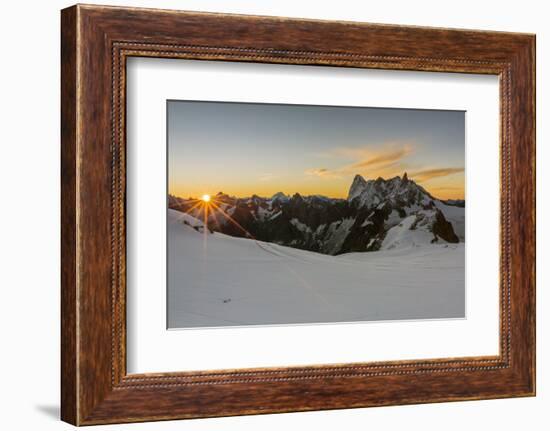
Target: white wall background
[29,215]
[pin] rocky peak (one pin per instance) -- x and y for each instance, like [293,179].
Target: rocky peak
[279,196]
[398,189]
[222,197]
[357,187]
[297,197]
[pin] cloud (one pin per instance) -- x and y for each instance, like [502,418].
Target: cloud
[321,172]
[385,157]
[448,192]
[388,160]
[382,161]
[428,174]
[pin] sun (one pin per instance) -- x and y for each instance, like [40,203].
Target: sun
[205,198]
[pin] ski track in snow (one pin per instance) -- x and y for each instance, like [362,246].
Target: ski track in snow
[216,280]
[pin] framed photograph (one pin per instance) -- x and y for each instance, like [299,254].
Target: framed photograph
[266,215]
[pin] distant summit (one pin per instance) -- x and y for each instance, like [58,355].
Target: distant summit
[279,196]
[397,190]
[357,186]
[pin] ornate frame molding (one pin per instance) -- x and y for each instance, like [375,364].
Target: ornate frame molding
[96,41]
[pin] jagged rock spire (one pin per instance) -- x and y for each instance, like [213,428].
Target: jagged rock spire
[405,178]
[357,186]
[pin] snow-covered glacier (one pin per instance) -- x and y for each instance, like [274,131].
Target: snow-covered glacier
[217,280]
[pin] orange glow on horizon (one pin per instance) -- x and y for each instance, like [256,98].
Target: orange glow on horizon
[439,189]
[208,207]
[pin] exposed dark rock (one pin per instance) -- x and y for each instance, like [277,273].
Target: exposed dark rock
[326,225]
[443,229]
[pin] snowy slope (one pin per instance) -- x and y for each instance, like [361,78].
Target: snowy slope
[402,235]
[219,280]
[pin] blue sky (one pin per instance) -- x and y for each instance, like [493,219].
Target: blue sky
[242,149]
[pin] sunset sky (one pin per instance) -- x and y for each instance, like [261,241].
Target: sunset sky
[243,149]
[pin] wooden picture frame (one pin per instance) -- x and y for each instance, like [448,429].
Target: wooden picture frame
[95,43]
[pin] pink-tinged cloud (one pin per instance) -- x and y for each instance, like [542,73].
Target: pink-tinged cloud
[428,174]
[384,157]
[378,162]
[321,172]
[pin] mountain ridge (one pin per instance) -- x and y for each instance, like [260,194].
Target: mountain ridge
[375,211]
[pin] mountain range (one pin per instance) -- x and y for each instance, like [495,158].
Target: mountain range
[378,214]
